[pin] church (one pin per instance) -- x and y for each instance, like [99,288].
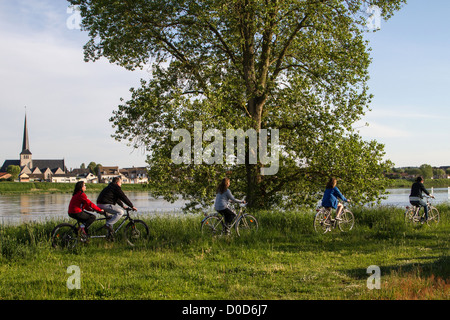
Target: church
[34,169]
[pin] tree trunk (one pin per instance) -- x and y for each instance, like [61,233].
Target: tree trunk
[254,178]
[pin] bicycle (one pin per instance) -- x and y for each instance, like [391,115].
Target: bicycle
[243,223]
[323,221]
[66,235]
[412,214]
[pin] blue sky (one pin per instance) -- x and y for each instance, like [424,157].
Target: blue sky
[69,102]
[410,79]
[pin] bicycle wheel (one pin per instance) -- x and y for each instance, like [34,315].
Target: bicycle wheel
[433,216]
[321,222]
[347,221]
[246,225]
[136,232]
[409,215]
[64,236]
[212,225]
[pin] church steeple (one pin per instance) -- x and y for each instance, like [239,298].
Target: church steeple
[26,142]
[25,155]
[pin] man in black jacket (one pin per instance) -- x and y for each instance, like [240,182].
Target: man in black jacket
[416,196]
[111,200]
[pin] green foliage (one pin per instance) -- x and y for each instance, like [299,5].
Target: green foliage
[94,167]
[426,171]
[300,67]
[14,171]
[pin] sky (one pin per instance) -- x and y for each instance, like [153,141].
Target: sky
[69,102]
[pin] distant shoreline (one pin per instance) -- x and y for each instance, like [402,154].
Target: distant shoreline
[429,183]
[8,187]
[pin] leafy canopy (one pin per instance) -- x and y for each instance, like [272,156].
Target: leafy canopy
[297,66]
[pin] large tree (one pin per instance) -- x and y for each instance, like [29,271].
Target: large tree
[296,66]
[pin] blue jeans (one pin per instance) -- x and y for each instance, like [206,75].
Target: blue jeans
[423,204]
[116,210]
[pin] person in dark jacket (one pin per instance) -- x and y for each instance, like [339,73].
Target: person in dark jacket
[416,196]
[112,200]
[331,197]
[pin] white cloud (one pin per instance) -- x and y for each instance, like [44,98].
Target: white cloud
[69,102]
[380,131]
[406,112]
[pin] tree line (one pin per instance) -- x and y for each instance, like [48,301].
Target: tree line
[425,170]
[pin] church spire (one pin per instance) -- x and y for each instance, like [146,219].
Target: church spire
[25,155]
[26,142]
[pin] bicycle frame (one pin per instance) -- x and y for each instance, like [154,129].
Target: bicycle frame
[323,221]
[329,211]
[243,223]
[417,209]
[221,217]
[67,235]
[125,219]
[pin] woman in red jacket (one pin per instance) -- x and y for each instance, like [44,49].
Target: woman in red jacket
[78,206]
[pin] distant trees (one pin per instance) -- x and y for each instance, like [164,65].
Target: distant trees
[425,170]
[92,166]
[439,173]
[14,171]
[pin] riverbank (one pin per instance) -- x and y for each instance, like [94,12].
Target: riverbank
[7,187]
[284,260]
[429,183]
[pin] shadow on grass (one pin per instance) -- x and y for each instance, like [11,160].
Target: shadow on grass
[425,266]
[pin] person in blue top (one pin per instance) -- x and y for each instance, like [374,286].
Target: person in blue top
[331,197]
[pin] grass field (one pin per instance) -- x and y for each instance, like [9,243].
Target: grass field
[284,260]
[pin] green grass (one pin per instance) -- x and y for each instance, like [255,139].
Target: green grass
[285,260]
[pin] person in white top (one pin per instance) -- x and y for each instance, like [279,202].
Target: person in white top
[222,198]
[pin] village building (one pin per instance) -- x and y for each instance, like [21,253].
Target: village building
[106,174]
[135,174]
[4,176]
[85,175]
[54,170]
[34,169]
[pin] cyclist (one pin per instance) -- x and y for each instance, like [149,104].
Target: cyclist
[221,204]
[111,200]
[78,206]
[416,196]
[331,196]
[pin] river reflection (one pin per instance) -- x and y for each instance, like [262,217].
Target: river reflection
[22,208]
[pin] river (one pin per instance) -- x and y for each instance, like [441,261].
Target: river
[24,208]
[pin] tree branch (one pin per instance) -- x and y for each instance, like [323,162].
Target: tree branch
[288,43]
